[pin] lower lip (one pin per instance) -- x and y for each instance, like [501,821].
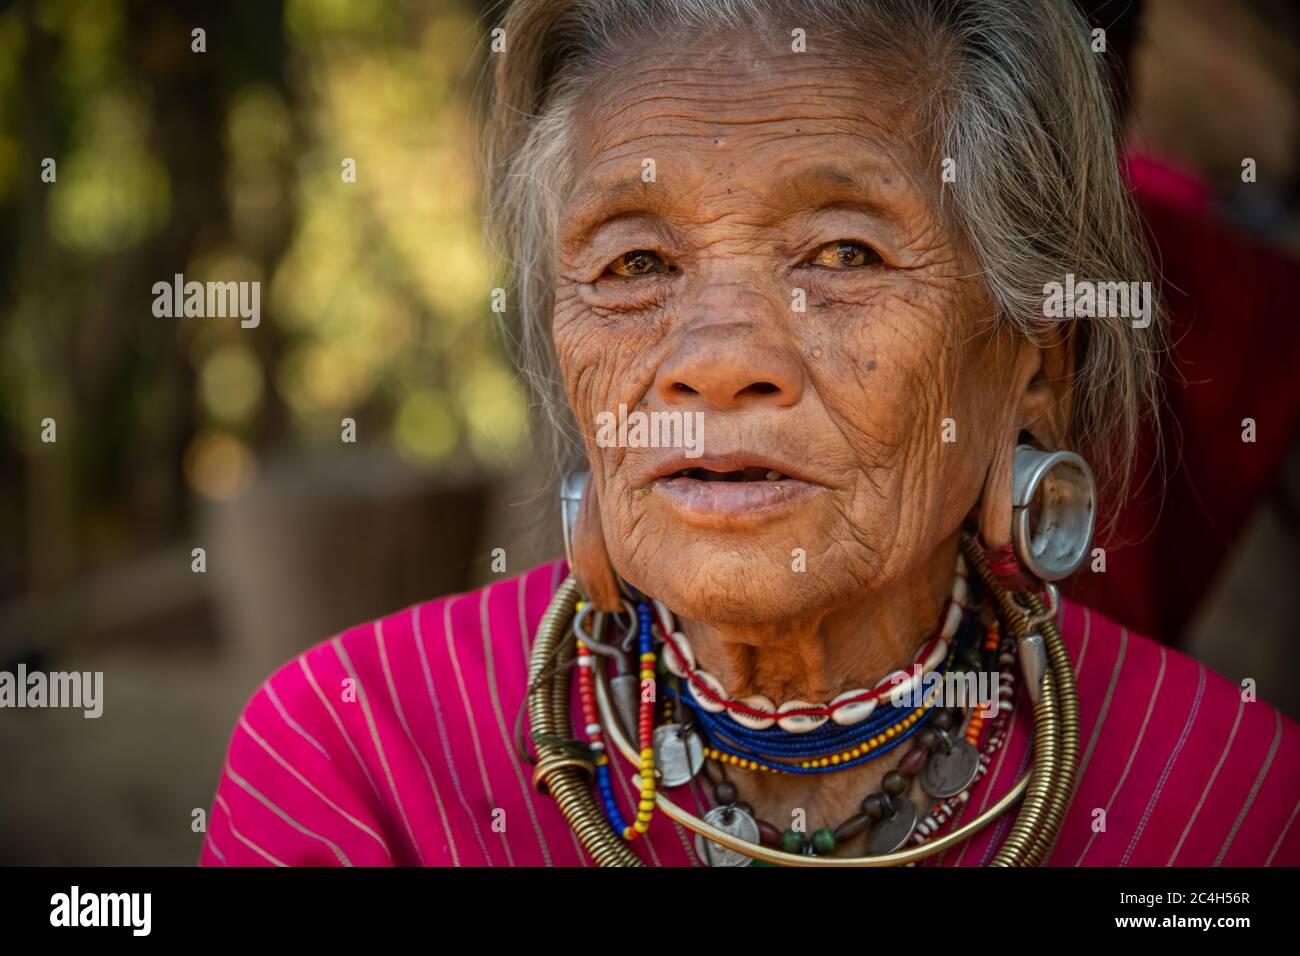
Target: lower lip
[733,501]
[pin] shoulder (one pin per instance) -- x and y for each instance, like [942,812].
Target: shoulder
[1177,765]
[348,754]
[471,645]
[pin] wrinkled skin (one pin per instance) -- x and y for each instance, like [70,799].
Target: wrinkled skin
[766,164]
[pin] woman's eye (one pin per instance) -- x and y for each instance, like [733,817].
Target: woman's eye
[844,254]
[641,262]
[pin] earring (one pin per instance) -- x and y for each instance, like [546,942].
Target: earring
[584,544]
[1051,539]
[571,489]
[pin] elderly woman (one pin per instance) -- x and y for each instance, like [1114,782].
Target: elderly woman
[822,231]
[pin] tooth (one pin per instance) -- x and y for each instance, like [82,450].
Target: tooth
[774,476]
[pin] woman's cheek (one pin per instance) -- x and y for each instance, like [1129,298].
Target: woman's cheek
[629,297]
[581,345]
[566,326]
[597,379]
[879,399]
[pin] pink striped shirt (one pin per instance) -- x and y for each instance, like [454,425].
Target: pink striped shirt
[390,744]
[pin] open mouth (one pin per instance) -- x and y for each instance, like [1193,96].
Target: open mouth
[742,474]
[730,493]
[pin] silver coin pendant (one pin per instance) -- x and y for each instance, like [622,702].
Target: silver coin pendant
[729,820]
[889,834]
[678,756]
[948,773]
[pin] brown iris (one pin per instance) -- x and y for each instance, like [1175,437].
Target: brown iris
[640,262]
[844,254]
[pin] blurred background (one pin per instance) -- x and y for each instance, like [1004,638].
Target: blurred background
[176,434]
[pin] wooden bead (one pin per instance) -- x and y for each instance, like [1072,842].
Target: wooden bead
[894,783]
[874,806]
[912,762]
[852,828]
[943,720]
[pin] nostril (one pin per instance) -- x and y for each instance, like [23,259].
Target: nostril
[761,388]
[683,387]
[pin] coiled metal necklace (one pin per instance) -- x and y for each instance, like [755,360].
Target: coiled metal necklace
[564,771]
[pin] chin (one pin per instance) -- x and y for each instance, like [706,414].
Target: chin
[739,582]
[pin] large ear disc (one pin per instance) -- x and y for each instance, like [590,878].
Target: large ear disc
[584,543]
[1054,511]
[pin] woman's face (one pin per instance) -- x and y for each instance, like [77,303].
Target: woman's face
[714,195]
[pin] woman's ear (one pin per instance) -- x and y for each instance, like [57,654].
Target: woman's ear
[1045,402]
[995,501]
[591,564]
[1041,381]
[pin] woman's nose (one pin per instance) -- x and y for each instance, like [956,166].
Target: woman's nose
[730,364]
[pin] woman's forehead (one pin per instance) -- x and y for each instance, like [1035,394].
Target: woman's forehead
[699,93]
[670,129]
[772,192]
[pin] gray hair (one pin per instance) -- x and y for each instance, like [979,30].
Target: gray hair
[1011,91]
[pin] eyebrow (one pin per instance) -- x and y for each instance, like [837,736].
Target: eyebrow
[829,186]
[604,201]
[828,175]
[845,189]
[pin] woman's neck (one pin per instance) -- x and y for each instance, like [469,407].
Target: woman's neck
[845,648]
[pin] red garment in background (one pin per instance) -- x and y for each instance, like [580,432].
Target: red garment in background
[1235,355]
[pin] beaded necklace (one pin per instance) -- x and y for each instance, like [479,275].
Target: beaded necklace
[564,766]
[645,737]
[758,712]
[815,752]
[888,816]
[822,742]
